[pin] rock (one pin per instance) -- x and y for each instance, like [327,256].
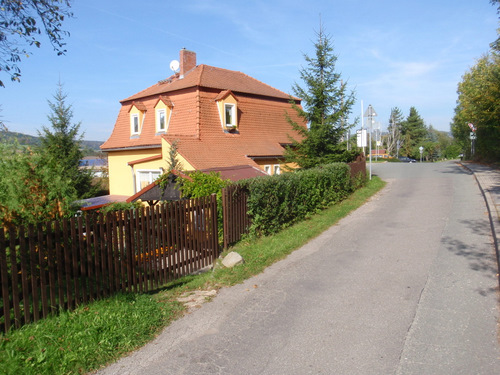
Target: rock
[232,259]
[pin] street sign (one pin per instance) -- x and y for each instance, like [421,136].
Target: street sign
[361,137]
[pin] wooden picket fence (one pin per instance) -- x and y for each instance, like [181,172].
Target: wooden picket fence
[236,221]
[60,265]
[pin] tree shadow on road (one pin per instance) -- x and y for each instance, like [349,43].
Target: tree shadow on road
[480,256]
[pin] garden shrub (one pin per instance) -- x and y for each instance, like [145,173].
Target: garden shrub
[278,201]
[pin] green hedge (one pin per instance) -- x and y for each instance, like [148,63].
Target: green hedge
[276,202]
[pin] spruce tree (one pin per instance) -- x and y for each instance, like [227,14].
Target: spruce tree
[61,146]
[414,132]
[325,108]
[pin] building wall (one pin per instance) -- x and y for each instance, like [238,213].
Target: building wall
[184,164]
[121,178]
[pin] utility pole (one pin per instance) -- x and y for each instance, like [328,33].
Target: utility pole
[370,114]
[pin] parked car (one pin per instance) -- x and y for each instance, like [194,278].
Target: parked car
[405,159]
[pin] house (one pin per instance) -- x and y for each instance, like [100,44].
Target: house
[218,119]
[380,153]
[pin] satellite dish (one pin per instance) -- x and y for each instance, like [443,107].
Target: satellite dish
[174,65]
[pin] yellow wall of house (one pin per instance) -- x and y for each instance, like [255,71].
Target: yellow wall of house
[272,162]
[165,149]
[121,180]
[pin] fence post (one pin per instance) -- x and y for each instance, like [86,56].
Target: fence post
[225,226]
[215,229]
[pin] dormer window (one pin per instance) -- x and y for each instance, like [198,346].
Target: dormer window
[161,119]
[163,112]
[227,104]
[230,115]
[134,118]
[137,114]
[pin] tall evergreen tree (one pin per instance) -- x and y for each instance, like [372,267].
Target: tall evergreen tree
[29,190]
[413,132]
[61,146]
[325,108]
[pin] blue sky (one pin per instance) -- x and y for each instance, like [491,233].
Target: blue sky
[392,53]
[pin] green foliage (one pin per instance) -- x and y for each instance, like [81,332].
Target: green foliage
[83,340]
[278,201]
[325,109]
[117,206]
[413,132]
[60,147]
[21,23]
[479,104]
[29,191]
[201,184]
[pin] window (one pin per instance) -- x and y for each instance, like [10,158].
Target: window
[134,122]
[161,120]
[227,104]
[230,115]
[144,178]
[267,169]
[277,169]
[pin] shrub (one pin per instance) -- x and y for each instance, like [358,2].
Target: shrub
[276,202]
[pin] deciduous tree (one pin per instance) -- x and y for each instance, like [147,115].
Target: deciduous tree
[22,23]
[394,131]
[479,104]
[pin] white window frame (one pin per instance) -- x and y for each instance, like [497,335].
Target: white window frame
[133,117]
[151,173]
[276,169]
[267,169]
[232,109]
[159,112]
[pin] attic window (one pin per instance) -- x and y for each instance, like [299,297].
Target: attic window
[134,122]
[228,110]
[137,114]
[230,115]
[163,111]
[161,118]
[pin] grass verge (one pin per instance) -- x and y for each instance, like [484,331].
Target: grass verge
[93,335]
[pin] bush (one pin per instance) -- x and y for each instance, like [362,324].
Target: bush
[276,202]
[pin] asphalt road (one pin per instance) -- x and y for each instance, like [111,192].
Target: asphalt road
[405,285]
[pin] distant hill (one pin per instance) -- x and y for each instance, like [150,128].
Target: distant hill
[89,147]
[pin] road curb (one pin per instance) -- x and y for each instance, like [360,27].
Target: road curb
[494,224]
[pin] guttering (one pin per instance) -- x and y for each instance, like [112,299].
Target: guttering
[126,148]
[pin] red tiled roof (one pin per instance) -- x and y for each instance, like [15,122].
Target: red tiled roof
[211,77]
[139,105]
[195,121]
[237,173]
[262,129]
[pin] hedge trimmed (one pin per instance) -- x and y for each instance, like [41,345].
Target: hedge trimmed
[278,201]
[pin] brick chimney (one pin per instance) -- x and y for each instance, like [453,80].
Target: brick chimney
[187,61]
